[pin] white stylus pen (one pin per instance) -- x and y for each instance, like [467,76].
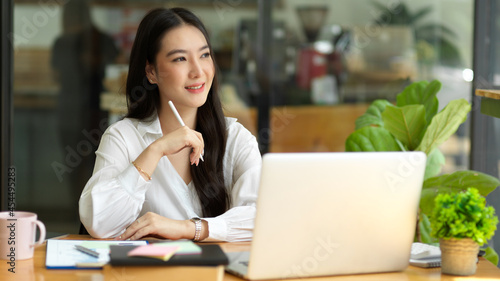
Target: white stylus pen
[174,110]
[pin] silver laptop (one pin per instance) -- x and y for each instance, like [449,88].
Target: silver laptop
[321,214]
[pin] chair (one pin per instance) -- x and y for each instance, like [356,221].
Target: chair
[83,230]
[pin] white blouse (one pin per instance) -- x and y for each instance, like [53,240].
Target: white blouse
[116,194]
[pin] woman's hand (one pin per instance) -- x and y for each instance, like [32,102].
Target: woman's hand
[179,139]
[152,224]
[169,144]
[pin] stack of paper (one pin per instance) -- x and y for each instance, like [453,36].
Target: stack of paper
[425,255]
[62,254]
[166,250]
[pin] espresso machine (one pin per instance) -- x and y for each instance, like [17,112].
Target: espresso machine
[313,72]
[311,62]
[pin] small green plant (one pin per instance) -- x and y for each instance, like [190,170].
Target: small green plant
[463,215]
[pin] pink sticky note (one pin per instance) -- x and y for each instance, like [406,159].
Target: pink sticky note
[162,252]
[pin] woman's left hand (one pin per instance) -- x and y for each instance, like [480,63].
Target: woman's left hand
[152,224]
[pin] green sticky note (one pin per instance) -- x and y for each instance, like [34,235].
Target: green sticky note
[185,247]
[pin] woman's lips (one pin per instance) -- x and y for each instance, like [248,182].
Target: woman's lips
[195,88]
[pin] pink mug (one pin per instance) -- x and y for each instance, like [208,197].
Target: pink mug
[17,235]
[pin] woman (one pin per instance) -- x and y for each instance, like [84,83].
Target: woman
[148,178]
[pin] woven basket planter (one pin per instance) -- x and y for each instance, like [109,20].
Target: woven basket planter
[458,256]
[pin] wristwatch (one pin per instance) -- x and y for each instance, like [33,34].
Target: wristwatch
[197,228]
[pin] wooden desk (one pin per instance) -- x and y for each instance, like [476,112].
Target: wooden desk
[34,269]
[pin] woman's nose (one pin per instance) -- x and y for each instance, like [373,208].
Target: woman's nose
[196,69]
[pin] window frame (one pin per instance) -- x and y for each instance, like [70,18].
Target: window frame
[6,107]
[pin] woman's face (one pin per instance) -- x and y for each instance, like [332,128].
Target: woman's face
[184,68]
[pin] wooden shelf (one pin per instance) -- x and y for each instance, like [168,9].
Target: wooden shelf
[490,102]
[492,94]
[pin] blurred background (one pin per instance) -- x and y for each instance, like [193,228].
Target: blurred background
[296,73]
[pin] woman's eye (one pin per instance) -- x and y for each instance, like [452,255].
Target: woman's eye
[180,59]
[205,55]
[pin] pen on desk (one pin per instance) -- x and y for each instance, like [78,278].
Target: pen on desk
[59,237]
[174,110]
[87,251]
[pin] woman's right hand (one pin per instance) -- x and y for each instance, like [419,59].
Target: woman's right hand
[169,144]
[177,140]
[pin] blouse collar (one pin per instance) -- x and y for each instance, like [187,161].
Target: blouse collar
[150,126]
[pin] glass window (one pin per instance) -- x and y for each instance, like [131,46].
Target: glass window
[486,122]
[328,60]
[70,66]
[331,59]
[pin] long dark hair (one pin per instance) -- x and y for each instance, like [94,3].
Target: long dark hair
[143,101]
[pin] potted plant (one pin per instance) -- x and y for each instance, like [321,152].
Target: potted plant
[462,222]
[434,41]
[414,123]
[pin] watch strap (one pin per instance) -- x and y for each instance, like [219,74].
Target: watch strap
[197,228]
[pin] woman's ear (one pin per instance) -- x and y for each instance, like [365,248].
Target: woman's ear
[150,73]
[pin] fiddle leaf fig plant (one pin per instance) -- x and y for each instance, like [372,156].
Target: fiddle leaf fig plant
[414,123]
[444,124]
[406,124]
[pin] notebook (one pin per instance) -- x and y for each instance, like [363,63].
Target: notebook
[321,214]
[62,254]
[211,255]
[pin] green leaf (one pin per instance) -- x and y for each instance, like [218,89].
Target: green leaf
[428,31]
[412,94]
[420,14]
[435,161]
[455,182]
[424,226]
[424,93]
[371,139]
[448,52]
[392,15]
[430,101]
[406,123]
[491,255]
[462,179]
[444,124]
[373,115]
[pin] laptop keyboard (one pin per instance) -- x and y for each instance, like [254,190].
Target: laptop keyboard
[245,263]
